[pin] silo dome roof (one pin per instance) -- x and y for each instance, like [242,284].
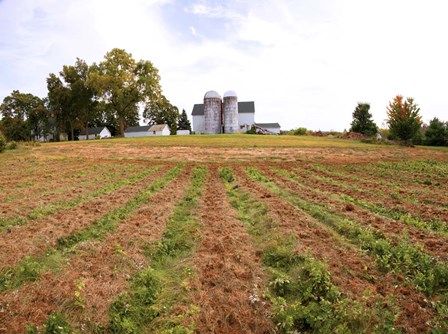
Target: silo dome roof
[211,94]
[230,93]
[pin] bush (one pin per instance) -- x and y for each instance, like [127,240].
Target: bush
[12,145]
[2,143]
[298,132]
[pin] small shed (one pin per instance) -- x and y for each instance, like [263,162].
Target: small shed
[137,131]
[159,130]
[95,133]
[182,132]
[271,127]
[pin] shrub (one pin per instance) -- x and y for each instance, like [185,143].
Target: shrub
[298,132]
[2,143]
[12,145]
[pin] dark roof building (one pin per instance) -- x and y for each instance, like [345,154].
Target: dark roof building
[144,128]
[243,108]
[92,131]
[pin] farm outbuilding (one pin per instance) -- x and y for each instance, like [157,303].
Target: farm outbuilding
[137,131]
[271,127]
[147,131]
[159,130]
[182,132]
[95,133]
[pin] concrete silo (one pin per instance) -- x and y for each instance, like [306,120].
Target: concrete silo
[212,112]
[230,112]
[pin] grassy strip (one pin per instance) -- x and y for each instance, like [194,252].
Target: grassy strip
[30,268]
[55,207]
[155,291]
[428,274]
[300,289]
[396,214]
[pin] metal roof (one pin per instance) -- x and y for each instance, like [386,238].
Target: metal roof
[92,131]
[268,125]
[230,93]
[137,129]
[158,127]
[211,94]
[243,108]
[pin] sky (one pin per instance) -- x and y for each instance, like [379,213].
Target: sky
[305,63]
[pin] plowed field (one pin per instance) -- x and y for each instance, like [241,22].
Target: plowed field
[245,235]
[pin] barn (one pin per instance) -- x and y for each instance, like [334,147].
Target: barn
[147,131]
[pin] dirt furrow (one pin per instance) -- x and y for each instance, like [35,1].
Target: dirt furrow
[227,266]
[352,271]
[103,268]
[33,239]
[422,210]
[384,194]
[433,244]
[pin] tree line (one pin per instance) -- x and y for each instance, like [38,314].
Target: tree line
[405,123]
[80,96]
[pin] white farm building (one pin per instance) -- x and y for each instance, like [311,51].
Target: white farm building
[95,133]
[147,131]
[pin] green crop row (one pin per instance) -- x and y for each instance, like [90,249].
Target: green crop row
[154,292]
[423,271]
[62,205]
[300,289]
[30,268]
[377,208]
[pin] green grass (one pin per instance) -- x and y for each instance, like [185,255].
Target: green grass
[154,292]
[228,140]
[31,268]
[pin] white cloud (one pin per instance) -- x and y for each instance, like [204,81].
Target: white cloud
[304,64]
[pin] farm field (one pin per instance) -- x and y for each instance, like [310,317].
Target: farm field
[223,234]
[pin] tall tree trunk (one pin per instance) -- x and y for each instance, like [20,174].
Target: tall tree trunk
[121,122]
[72,131]
[87,131]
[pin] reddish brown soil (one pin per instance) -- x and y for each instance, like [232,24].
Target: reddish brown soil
[422,192]
[99,265]
[432,243]
[375,195]
[352,271]
[33,239]
[227,267]
[59,187]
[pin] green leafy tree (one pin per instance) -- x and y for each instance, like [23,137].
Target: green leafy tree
[362,120]
[18,110]
[82,105]
[436,133]
[60,105]
[123,84]
[183,123]
[162,112]
[403,119]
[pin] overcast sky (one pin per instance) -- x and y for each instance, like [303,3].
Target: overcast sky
[305,63]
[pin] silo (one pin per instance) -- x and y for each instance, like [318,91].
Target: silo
[212,112]
[230,112]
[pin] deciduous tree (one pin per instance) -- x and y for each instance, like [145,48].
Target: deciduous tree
[124,84]
[162,112]
[362,120]
[403,118]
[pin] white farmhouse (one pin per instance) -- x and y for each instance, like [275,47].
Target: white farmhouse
[95,133]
